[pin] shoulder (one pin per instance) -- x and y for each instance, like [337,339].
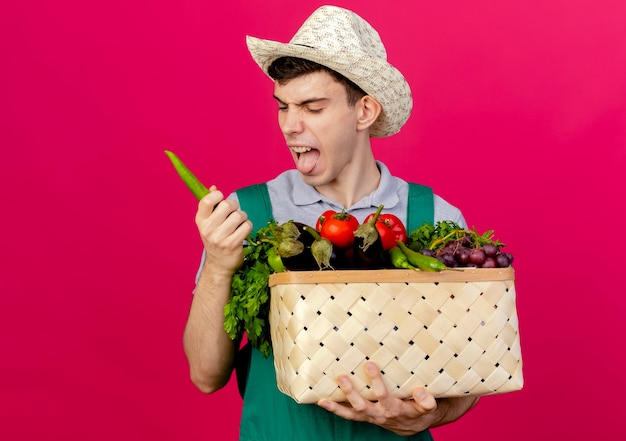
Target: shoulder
[445,211]
[288,178]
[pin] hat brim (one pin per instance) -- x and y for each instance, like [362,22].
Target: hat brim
[376,77]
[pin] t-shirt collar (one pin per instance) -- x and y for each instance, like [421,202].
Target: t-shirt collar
[386,193]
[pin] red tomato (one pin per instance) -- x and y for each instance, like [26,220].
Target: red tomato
[338,228]
[390,228]
[322,218]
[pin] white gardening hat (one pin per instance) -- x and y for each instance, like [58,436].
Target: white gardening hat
[342,41]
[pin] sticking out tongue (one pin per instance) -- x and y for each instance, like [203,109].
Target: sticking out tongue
[306,161]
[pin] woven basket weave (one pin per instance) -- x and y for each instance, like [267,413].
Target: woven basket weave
[454,332]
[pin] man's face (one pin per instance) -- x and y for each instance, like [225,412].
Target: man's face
[319,126]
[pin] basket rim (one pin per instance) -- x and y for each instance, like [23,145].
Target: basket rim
[391,276]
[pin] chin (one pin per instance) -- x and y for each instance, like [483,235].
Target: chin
[313,180]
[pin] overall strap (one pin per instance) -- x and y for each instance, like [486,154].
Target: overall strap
[420,206]
[255,201]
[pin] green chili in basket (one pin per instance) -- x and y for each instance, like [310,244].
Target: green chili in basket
[421,261]
[196,187]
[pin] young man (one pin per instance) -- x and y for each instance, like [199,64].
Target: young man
[335,90]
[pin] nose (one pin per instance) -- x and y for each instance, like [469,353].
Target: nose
[290,121]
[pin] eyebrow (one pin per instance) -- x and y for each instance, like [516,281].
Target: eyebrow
[303,103]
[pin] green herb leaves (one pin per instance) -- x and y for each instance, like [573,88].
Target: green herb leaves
[247,310]
[436,236]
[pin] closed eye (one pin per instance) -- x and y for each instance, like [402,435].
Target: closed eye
[306,104]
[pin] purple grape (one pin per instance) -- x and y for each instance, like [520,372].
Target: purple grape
[466,240]
[427,252]
[502,260]
[490,250]
[448,259]
[510,256]
[462,255]
[489,262]
[477,256]
[450,247]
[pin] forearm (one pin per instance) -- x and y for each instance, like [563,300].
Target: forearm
[209,350]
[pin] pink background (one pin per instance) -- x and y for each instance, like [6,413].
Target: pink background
[519,119]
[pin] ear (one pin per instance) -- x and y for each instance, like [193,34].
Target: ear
[369,109]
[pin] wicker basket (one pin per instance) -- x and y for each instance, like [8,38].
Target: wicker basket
[454,332]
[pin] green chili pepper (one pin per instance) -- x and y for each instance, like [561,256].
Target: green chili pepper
[196,187]
[398,258]
[274,261]
[425,263]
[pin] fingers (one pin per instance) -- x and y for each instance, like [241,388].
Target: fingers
[208,203]
[376,380]
[231,218]
[214,205]
[222,225]
[383,398]
[355,399]
[358,407]
[403,417]
[424,401]
[340,409]
[355,408]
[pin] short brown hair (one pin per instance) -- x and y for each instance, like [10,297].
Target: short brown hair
[284,69]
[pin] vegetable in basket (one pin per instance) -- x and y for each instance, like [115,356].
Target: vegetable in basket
[368,245]
[303,260]
[337,227]
[275,261]
[321,248]
[459,247]
[421,261]
[398,259]
[390,228]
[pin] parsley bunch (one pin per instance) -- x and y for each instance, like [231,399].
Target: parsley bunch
[435,237]
[247,310]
